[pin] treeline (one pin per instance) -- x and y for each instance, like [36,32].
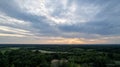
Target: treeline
[76,57]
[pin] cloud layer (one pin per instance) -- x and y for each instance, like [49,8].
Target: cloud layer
[64,21]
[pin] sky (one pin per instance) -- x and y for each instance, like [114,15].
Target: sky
[59,22]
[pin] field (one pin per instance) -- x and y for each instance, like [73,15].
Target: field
[32,55]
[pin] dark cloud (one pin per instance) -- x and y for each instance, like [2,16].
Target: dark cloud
[101,28]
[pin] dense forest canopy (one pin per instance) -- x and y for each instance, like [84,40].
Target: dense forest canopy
[60,56]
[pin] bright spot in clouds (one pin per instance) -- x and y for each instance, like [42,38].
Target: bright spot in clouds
[60,12]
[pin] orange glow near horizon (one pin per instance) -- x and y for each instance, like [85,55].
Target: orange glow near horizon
[67,41]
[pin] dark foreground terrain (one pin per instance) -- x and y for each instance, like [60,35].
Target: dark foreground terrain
[59,55]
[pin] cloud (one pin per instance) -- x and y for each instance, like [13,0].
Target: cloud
[13,27]
[101,28]
[90,20]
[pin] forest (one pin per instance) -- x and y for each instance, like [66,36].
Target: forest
[60,56]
